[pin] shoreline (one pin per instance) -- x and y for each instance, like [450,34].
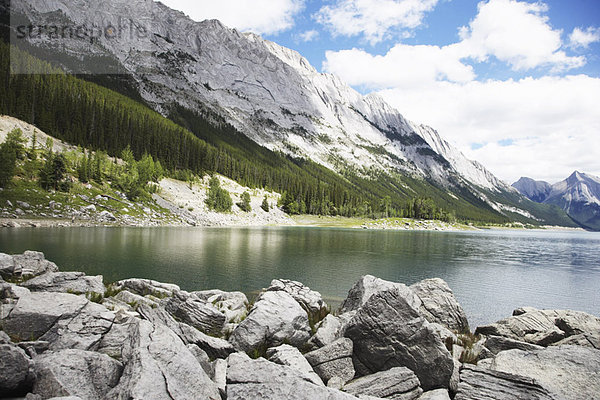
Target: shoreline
[299,221]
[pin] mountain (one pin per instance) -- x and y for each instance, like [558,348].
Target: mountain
[537,191]
[187,70]
[578,196]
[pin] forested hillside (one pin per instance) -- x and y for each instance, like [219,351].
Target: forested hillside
[86,114]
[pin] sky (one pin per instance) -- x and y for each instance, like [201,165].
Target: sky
[514,84]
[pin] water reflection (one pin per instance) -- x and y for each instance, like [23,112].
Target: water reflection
[491,272]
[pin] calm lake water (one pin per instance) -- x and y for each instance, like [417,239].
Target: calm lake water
[490,272]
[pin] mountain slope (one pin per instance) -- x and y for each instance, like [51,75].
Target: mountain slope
[273,96]
[537,191]
[578,196]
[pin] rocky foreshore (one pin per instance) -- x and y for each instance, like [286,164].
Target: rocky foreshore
[68,335]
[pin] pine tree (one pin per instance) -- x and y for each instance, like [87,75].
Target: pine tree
[265,204]
[244,203]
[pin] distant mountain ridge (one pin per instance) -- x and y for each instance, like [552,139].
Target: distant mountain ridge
[578,196]
[276,98]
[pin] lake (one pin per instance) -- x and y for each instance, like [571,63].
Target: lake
[491,272]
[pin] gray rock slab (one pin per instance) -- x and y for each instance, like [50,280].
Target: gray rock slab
[33,263]
[15,370]
[567,372]
[310,300]
[438,394]
[496,344]
[158,365]
[439,304]
[85,374]
[274,319]
[478,383]
[369,285]
[262,379]
[71,282]
[333,360]
[388,332]
[397,383]
[197,313]
[36,313]
[291,356]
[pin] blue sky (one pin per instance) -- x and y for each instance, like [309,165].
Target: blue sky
[515,84]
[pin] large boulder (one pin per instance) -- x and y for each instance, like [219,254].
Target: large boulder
[369,285]
[439,304]
[233,304]
[388,332]
[478,383]
[542,327]
[7,266]
[66,282]
[566,372]
[83,331]
[145,287]
[16,375]
[496,344]
[274,319]
[33,263]
[158,365]
[36,313]
[398,383]
[213,346]
[330,329]
[262,379]
[333,360]
[291,356]
[88,375]
[309,299]
[591,340]
[197,313]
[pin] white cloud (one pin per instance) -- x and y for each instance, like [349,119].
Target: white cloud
[309,36]
[258,16]
[552,121]
[583,38]
[517,33]
[403,65]
[374,19]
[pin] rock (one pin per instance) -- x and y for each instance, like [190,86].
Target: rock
[276,317]
[23,204]
[135,300]
[567,372]
[233,304]
[336,383]
[7,266]
[542,327]
[369,285]
[159,365]
[591,340]
[388,332]
[214,347]
[439,394]
[33,349]
[85,374]
[397,383]
[36,313]
[144,287]
[335,359]
[455,378]
[83,331]
[112,342]
[19,212]
[116,305]
[71,282]
[484,384]
[202,359]
[444,333]
[107,216]
[262,379]
[330,329]
[16,376]
[33,263]
[291,356]
[311,301]
[439,304]
[220,376]
[194,312]
[90,208]
[496,344]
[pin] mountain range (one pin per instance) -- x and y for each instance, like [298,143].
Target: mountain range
[578,195]
[187,70]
